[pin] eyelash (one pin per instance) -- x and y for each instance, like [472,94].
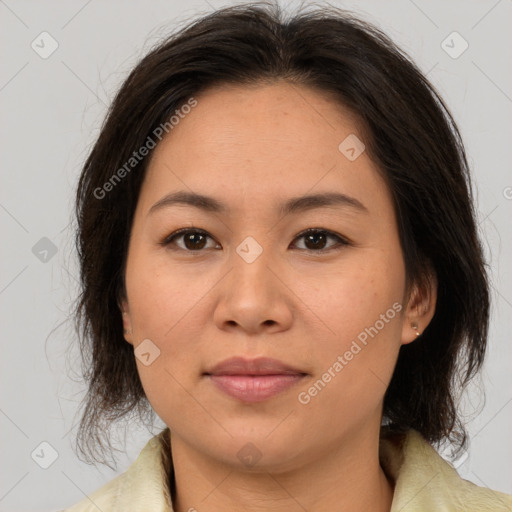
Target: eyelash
[341,241]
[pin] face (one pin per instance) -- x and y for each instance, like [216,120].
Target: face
[245,278]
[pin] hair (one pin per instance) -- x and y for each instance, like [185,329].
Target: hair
[409,134]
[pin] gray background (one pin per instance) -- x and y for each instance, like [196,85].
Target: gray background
[51,111]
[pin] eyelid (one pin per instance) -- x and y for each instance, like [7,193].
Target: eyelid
[182,231]
[340,242]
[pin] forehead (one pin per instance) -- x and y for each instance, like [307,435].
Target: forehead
[290,113]
[263,143]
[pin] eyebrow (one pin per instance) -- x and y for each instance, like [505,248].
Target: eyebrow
[292,205]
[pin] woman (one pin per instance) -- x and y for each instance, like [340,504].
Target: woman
[279,257]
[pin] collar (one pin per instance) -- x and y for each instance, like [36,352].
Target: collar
[423,480]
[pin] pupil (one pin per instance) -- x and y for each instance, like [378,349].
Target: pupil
[315,236]
[191,237]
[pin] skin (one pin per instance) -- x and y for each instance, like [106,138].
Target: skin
[252,148]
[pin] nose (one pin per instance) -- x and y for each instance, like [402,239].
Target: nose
[252,297]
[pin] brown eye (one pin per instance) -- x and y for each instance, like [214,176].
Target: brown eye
[193,239]
[315,240]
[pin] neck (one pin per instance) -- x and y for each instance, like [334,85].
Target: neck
[348,477]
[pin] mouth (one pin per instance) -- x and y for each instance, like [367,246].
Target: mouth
[253,380]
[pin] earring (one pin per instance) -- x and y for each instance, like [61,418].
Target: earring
[414,325]
[126,331]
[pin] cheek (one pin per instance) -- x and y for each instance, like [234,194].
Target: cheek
[362,307]
[354,297]
[164,309]
[163,298]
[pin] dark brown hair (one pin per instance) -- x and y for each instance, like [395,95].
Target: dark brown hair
[408,132]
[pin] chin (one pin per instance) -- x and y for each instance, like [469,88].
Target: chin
[255,450]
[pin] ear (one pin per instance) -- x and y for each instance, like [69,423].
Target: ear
[127,323]
[421,307]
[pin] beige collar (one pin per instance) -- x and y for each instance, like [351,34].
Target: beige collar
[424,481]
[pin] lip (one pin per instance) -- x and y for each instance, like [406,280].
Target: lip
[258,366]
[253,380]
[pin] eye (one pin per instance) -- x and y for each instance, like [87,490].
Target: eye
[194,240]
[316,238]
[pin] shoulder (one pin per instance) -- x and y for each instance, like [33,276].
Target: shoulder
[143,486]
[424,481]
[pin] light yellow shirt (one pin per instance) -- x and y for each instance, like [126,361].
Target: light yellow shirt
[424,481]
